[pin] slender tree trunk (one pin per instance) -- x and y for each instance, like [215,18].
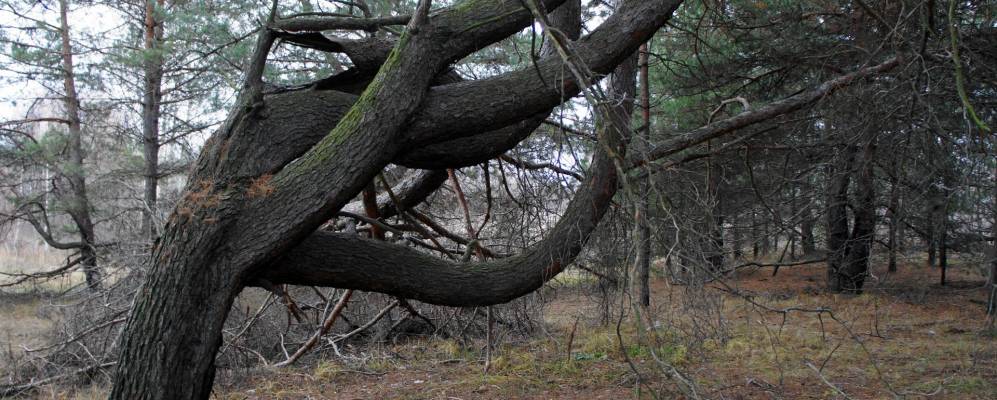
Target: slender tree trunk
[754,235]
[943,249]
[807,242]
[992,281]
[768,238]
[943,260]
[78,201]
[371,210]
[737,239]
[793,209]
[931,231]
[715,252]
[151,111]
[893,213]
[641,215]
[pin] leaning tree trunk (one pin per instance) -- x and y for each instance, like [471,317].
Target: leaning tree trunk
[204,257]
[255,196]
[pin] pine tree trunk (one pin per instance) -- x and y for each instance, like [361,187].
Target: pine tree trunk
[153,71]
[839,177]
[643,259]
[78,201]
[807,243]
[893,214]
[856,268]
[992,281]
[715,220]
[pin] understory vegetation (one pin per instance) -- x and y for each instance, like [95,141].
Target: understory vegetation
[482,199]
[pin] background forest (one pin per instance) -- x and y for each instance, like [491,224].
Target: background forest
[807,209]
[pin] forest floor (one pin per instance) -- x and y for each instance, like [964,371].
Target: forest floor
[755,336]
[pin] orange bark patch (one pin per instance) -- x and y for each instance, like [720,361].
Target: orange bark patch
[260,187]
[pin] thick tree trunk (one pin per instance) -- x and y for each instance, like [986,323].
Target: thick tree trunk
[852,275]
[153,71]
[200,263]
[839,177]
[238,218]
[242,221]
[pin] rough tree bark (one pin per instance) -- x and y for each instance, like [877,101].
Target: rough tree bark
[839,176]
[238,218]
[153,81]
[75,196]
[641,218]
[285,163]
[848,252]
[854,272]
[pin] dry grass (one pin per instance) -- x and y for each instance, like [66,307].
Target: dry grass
[30,259]
[905,337]
[22,323]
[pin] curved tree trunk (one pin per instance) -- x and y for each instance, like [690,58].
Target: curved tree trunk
[239,217]
[284,164]
[200,265]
